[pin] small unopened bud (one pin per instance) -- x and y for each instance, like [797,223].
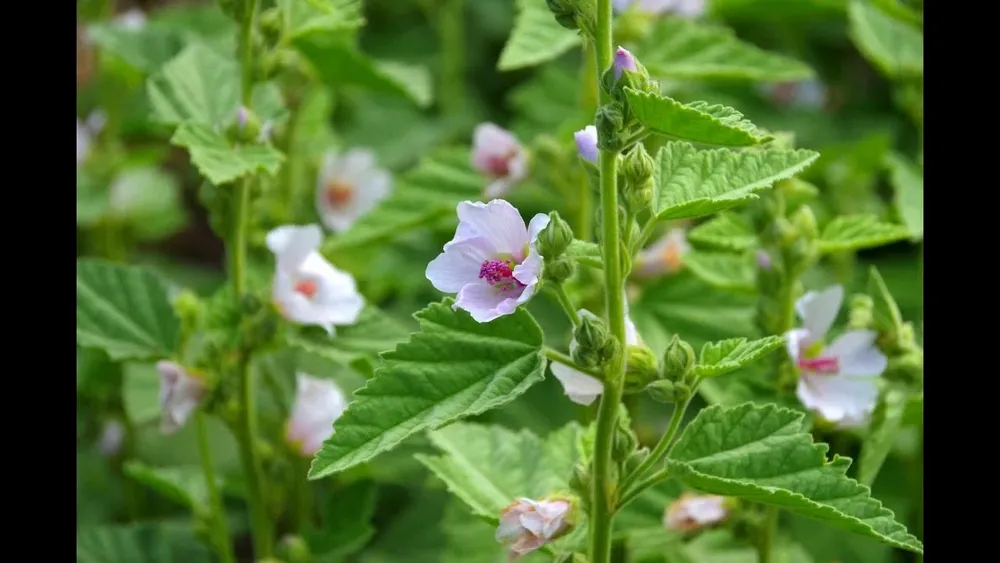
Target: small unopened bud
[188,307]
[294,549]
[586,144]
[861,315]
[595,345]
[663,391]
[642,368]
[558,270]
[626,72]
[635,459]
[555,237]
[246,126]
[678,360]
[639,166]
[610,123]
[805,223]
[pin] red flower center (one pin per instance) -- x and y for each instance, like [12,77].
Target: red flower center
[499,274]
[339,194]
[820,365]
[307,288]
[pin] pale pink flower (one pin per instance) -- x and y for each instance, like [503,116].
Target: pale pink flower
[348,187]
[527,525]
[498,154]
[132,20]
[112,437]
[691,512]
[180,393]
[586,143]
[838,381]
[581,388]
[624,60]
[307,289]
[492,263]
[318,404]
[665,256]
[86,131]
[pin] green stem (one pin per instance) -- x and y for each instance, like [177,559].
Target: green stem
[566,302]
[589,77]
[246,53]
[662,447]
[765,548]
[557,356]
[220,528]
[450,30]
[647,231]
[263,542]
[603,482]
[637,490]
[300,491]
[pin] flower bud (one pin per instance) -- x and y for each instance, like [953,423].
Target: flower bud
[625,441]
[639,166]
[555,238]
[678,360]
[642,368]
[558,270]
[861,313]
[665,391]
[635,459]
[804,222]
[294,549]
[579,482]
[626,72]
[246,126]
[610,123]
[586,144]
[595,345]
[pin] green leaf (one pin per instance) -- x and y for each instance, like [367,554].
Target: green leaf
[150,201]
[123,310]
[896,47]
[692,183]
[220,162]
[725,231]
[373,333]
[855,232]
[184,484]
[734,452]
[696,122]
[454,368]
[723,270]
[489,467]
[729,355]
[587,253]
[346,522]
[536,38]
[338,63]
[885,312]
[320,16]
[887,420]
[138,543]
[684,49]
[908,193]
[145,49]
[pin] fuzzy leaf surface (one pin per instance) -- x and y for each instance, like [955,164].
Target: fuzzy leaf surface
[908,193]
[893,45]
[373,333]
[536,38]
[453,368]
[887,420]
[856,232]
[725,231]
[729,355]
[220,162]
[721,269]
[696,122]
[763,454]
[693,183]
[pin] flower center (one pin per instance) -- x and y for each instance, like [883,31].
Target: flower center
[671,256]
[499,165]
[307,288]
[339,194]
[499,274]
[827,365]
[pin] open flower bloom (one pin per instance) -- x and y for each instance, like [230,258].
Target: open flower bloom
[132,20]
[492,263]
[838,381]
[348,187]
[666,256]
[318,404]
[581,388]
[307,289]
[497,153]
[112,436]
[691,512]
[527,525]
[180,393]
[686,8]
[586,143]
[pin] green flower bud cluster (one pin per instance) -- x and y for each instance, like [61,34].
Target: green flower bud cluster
[678,378]
[553,242]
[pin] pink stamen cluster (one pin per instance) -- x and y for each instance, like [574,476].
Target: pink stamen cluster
[499,274]
[820,365]
[499,166]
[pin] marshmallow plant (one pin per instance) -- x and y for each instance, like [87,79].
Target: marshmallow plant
[600,331]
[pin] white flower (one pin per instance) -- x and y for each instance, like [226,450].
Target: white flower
[527,525]
[318,404]
[581,388]
[586,144]
[348,187]
[180,393]
[132,20]
[691,512]
[686,8]
[85,133]
[838,381]
[112,436]
[492,263]
[497,153]
[665,256]
[307,289]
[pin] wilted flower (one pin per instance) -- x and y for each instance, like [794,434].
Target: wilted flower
[665,256]
[307,289]
[497,153]
[180,393]
[112,436]
[691,512]
[686,8]
[624,60]
[348,187]
[838,381]
[132,20]
[527,525]
[586,143]
[318,404]
[492,263]
[581,388]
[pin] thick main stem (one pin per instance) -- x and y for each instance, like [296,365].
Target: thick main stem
[220,528]
[603,482]
[766,547]
[450,32]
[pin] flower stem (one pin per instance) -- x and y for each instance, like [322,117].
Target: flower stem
[566,302]
[765,547]
[603,482]
[220,528]
[450,30]
[588,105]
[557,356]
[659,452]
[250,460]
[301,509]
[631,494]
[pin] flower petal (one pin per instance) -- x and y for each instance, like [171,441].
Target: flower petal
[498,188]
[856,353]
[481,301]
[581,388]
[530,270]
[537,225]
[499,222]
[292,244]
[459,264]
[837,397]
[489,140]
[818,309]
[795,340]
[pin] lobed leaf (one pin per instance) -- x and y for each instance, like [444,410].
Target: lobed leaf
[183,484]
[123,310]
[855,232]
[453,368]
[373,333]
[894,46]
[726,231]
[138,543]
[723,270]
[219,162]
[729,355]
[536,38]
[304,17]
[763,454]
[908,193]
[691,183]
[696,122]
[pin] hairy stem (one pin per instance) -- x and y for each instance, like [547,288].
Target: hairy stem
[220,528]
[765,550]
[263,542]
[559,357]
[661,449]
[450,30]
[603,483]
[631,494]
[566,303]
